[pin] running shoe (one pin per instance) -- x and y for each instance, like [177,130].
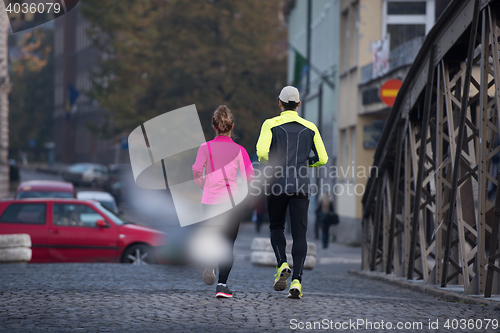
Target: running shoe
[223,291]
[282,273]
[209,275]
[295,290]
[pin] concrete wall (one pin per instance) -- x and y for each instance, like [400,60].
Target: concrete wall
[360,36]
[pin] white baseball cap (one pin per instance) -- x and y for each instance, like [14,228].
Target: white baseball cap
[289,94]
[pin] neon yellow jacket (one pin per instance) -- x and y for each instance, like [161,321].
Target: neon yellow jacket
[285,142]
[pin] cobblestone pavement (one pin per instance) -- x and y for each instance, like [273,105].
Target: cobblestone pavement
[125,298]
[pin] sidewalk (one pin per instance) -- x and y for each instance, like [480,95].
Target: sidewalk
[156,298]
[335,253]
[451,293]
[343,255]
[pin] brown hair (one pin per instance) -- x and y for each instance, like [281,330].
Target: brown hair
[222,120]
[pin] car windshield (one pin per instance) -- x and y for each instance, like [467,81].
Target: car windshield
[41,194]
[108,205]
[78,167]
[106,212]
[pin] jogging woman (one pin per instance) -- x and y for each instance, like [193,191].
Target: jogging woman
[222,159]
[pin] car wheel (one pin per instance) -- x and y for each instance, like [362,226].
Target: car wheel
[139,254]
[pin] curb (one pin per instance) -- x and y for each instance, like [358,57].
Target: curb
[432,290]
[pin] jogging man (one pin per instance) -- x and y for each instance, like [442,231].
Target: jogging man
[286,143]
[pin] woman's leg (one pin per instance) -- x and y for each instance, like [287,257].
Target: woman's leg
[208,227]
[230,234]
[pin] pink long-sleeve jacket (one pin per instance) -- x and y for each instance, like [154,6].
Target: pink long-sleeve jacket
[232,158]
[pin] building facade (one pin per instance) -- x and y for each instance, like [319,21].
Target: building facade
[380,39]
[77,117]
[366,43]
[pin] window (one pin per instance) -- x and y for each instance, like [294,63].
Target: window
[352,172]
[400,33]
[108,205]
[345,150]
[110,215]
[75,215]
[406,8]
[350,36]
[355,29]
[43,194]
[24,213]
[405,20]
[345,39]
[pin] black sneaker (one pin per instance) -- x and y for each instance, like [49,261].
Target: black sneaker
[223,291]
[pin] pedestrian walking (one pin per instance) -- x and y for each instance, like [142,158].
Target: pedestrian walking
[215,171]
[326,217]
[285,143]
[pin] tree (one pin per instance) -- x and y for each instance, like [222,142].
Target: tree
[162,55]
[32,97]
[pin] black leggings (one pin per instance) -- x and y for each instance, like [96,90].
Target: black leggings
[298,205]
[229,231]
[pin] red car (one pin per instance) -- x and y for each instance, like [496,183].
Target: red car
[71,230]
[45,189]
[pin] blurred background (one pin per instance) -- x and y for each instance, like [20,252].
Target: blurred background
[76,86]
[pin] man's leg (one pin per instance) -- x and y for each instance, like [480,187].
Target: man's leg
[298,206]
[277,205]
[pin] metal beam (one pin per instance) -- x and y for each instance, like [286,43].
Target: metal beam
[440,230]
[421,162]
[461,130]
[395,191]
[494,253]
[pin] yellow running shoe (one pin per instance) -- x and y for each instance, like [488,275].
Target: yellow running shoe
[295,290]
[282,273]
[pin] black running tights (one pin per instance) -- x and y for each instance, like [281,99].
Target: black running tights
[277,206]
[231,223]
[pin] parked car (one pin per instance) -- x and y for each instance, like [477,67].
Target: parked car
[104,198]
[116,171]
[45,189]
[72,230]
[87,174]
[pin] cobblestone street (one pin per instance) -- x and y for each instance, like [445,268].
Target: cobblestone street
[125,298]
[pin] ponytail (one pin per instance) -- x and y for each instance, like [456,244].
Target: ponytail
[222,120]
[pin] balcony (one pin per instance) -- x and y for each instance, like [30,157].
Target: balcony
[402,55]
